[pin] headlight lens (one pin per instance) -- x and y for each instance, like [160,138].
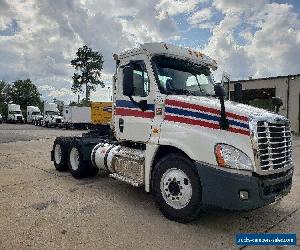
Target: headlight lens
[231,157]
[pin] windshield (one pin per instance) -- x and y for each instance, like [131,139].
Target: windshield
[36,113]
[183,78]
[15,112]
[51,113]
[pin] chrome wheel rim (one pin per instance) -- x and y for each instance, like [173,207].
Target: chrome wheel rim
[176,188]
[74,158]
[57,153]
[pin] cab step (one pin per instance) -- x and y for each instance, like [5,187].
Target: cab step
[128,180]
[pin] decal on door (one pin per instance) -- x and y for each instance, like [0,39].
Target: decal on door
[127,108]
[193,114]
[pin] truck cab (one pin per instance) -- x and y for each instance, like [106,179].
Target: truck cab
[14,114]
[34,115]
[176,135]
[52,118]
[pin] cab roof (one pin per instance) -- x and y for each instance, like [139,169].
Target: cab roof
[172,51]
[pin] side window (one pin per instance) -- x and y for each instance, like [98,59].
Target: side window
[141,83]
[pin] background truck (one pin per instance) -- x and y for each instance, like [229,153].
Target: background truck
[14,114]
[174,134]
[51,116]
[34,115]
[76,117]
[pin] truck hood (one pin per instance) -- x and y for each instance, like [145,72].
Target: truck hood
[212,105]
[18,115]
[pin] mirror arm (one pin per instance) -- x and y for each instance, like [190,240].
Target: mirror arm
[138,104]
[224,123]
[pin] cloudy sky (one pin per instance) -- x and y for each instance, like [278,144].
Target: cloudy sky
[38,38]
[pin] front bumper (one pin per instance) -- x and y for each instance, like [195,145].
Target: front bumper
[221,188]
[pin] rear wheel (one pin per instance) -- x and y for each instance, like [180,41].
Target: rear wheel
[79,167]
[60,154]
[177,188]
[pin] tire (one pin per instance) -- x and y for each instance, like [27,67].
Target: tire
[60,153]
[177,188]
[80,168]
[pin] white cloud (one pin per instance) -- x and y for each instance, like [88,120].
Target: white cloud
[5,13]
[272,44]
[234,6]
[200,16]
[253,38]
[175,7]
[51,31]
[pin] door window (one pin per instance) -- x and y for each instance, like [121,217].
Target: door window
[141,83]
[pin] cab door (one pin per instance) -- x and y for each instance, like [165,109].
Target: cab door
[130,121]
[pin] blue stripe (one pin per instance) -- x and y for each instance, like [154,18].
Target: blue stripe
[203,116]
[130,104]
[239,124]
[191,113]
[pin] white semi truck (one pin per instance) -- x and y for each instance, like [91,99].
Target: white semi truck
[34,115]
[51,116]
[173,133]
[14,114]
[76,117]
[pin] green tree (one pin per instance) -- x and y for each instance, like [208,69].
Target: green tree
[90,64]
[25,93]
[5,90]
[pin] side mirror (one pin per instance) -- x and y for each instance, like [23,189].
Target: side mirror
[238,92]
[277,103]
[128,81]
[219,90]
[226,84]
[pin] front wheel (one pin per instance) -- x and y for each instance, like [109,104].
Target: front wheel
[177,188]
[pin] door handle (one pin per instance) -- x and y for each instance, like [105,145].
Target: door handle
[121,125]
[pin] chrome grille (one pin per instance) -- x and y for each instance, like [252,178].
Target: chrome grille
[274,144]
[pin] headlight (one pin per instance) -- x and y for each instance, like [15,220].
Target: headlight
[231,157]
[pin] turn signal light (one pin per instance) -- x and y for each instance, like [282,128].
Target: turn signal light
[219,156]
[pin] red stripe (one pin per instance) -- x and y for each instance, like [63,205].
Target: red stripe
[203,124]
[135,113]
[191,121]
[205,109]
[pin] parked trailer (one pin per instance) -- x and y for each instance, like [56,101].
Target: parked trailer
[101,113]
[173,133]
[76,117]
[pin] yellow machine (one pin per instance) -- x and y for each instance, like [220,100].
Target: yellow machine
[101,112]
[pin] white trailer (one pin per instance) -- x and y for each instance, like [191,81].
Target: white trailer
[76,117]
[51,115]
[34,115]
[14,113]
